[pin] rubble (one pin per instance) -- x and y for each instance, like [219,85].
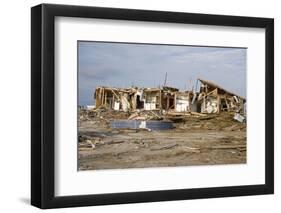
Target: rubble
[107,118]
[145,115]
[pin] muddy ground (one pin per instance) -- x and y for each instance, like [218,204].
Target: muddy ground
[195,140]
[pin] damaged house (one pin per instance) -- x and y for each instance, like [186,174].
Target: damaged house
[211,98]
[185,101]
[214,99]
[128,99]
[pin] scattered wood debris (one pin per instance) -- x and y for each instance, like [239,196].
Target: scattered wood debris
[190,149]
[145,115]
[243,146]
[169,146]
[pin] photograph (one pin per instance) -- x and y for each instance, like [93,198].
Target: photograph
[171,105]
[144,105]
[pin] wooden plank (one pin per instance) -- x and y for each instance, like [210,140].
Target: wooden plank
[218,103]
[160,100]
[115,94]
[105,97]
[228,146]
[102,96]
[169,146]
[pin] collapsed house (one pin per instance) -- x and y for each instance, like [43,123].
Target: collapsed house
[214,99]
[211,98]
[128,99]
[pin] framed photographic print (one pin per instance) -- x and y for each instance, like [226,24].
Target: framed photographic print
[139,106]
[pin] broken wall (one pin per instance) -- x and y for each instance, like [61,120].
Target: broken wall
[125,104]
[150,101]
[182,103]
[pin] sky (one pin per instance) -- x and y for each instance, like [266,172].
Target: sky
[145,65]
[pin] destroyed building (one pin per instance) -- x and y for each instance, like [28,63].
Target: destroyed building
[128,99]
[211,98]
[214,99]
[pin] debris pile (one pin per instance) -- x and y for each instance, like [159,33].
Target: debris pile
[145,115]
[101,114]
[222,121]
[102,117]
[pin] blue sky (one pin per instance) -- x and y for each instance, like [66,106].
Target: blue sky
[144,65]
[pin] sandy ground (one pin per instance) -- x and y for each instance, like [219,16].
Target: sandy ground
[195,141]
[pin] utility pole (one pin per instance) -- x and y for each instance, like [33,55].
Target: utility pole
[165,79]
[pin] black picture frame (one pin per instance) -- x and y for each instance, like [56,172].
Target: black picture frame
[43,102]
